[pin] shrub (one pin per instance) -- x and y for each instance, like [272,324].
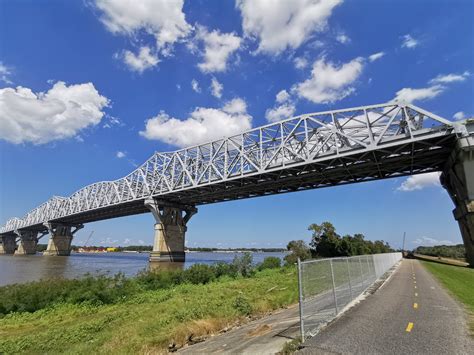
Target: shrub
[298,249]
[225,269]
[270,262]
[200,274]
[243,264]
[242,305]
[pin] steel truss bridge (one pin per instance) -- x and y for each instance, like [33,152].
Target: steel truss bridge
[309,151]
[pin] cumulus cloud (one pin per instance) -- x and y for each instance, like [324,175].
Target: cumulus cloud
[450,78]
[419,182]
[145,59]
[409,42]
[410,95]
[284,24]
[280,112]
[60,113]
[376,56]
[216,88]
[285,110]
[218,47]
[202,125]
[427,241]
[5,73]
[164,19]
[330,82]
[120,155]
[459,115]
[300,62]
[282,96]
[195,86]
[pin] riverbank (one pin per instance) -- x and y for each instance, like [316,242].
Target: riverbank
[150,321]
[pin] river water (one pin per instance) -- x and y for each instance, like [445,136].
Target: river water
[21,269]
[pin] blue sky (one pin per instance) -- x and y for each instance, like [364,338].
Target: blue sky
[90,89]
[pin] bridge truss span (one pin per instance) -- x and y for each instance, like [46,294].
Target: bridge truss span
[308,151]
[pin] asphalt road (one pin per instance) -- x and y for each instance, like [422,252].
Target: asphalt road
[411,313]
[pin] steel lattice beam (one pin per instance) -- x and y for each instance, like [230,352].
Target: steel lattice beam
[309,151]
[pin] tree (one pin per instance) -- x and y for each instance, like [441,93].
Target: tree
[298,249]
[324,242]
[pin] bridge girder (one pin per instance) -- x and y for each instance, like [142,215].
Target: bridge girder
[309,151]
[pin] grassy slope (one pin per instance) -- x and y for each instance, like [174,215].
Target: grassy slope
[459,281]
[148,322]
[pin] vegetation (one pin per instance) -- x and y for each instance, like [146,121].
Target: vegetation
[298,249]
[152,313]
[459,281]
[447,251]
[326,243]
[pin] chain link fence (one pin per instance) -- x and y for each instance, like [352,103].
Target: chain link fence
[326,286]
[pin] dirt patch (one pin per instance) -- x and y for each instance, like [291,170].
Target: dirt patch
[260,330]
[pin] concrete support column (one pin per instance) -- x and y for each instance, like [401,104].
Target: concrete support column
[458,179]
[28,242]
[8,244]
[60,239]
[170,229]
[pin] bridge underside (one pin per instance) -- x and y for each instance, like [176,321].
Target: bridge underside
[393,161]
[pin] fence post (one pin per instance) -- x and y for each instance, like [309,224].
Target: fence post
[349,273]
[300,291]
[368,267]
[361,273]
[333,286]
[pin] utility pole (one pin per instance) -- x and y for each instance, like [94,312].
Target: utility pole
[403,247]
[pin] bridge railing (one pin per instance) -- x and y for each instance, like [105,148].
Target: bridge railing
[299,140]
[327,286]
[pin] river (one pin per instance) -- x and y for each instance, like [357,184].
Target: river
[21,269]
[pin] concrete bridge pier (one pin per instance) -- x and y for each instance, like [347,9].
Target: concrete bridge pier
[170,229]
[60,239]
[458,179]
[28,242]
[8,244]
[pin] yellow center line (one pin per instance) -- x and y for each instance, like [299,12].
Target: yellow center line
[415,305]
[409,327]
[416,294]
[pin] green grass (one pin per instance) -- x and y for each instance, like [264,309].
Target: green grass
[151,321]
[459,281]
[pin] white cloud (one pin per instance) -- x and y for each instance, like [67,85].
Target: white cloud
[409,42]
[164,19]
[450,78]
[141,242]
[126,241]
[216,88]
[204,124]
[342,38]
[427,241]
[410,95]
[281,112]
[328,82]
[282,96]
[283,24]
[218,47]
[144,60]
[459,115]
[112,121]
[120,154]
[376,56]
[60,113]
[5,73]
[419,182]
[300,62]
[285,110]
[195,86]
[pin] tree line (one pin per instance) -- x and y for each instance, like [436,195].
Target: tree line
[448,251]
[326,243]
